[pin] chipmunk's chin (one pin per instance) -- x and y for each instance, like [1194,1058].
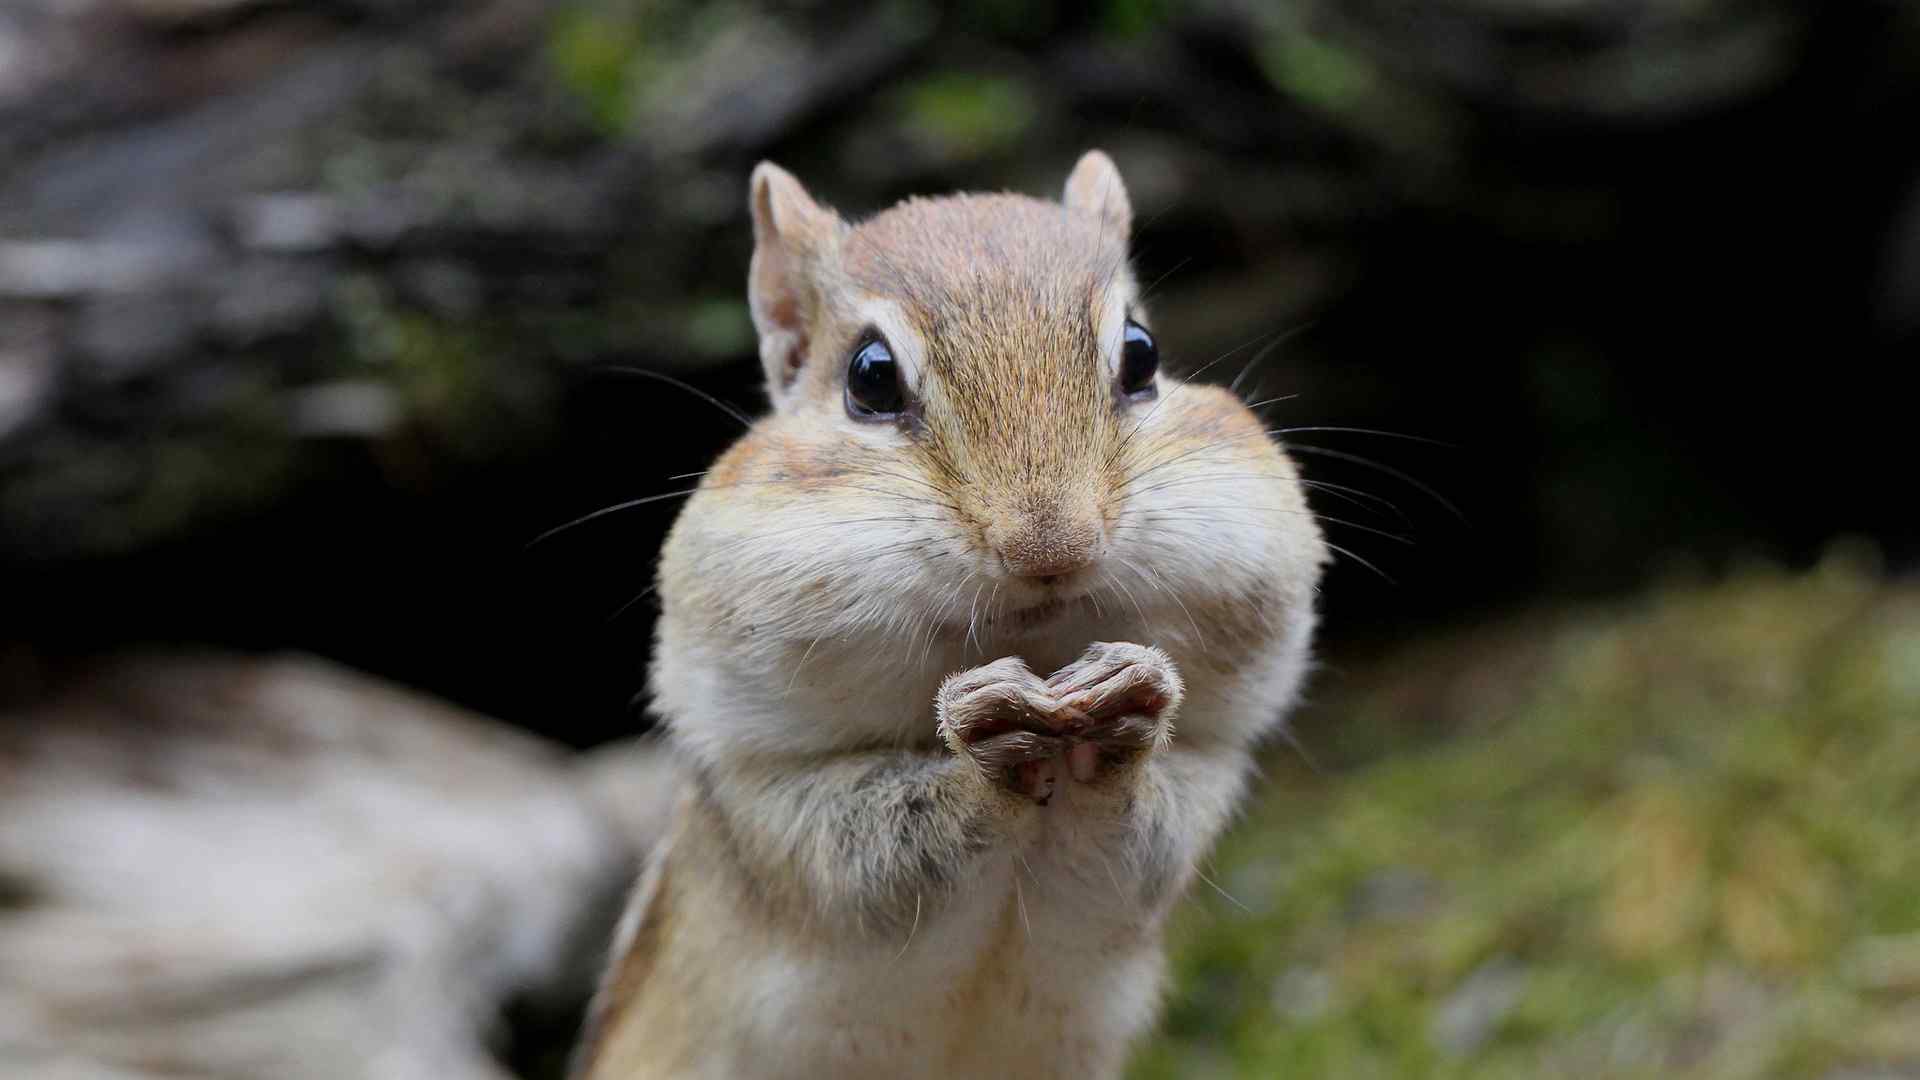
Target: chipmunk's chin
[1036,617]
[1012,623]
[1076,616]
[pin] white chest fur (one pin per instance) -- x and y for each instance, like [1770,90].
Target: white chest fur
[1029,969]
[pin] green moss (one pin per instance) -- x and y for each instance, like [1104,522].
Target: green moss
[968,114]
[1685,825]
[719,326]
[1340,80]
[1133,18]
[592,50]
[1319,72]
[470,385]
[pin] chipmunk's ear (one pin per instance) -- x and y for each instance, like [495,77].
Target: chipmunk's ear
[792,234]
[1095,187]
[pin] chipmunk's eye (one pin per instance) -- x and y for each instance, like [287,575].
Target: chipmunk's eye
[873,382]
[1139,360]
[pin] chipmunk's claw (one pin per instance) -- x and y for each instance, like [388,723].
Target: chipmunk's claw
[1127,695]
[1000,716]
[1098,713]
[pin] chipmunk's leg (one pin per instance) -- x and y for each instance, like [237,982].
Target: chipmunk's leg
[877,839]
[1144,809]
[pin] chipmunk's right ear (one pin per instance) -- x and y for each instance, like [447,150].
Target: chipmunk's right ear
[792,236]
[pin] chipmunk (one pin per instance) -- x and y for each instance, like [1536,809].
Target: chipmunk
[926,630]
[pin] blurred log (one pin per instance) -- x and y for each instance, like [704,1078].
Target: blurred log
[278,868]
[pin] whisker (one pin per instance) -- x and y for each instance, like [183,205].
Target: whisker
[1365,431]
[646,500]
[1148,291]
[707,557]
[1420,486]
[1266,350]
[973,612]
[1154,579]
[604,511]
[1118,892]
[911,929]
[1338,491]
[1153,467]
[1343,551]
[1292,739]
[1328,518]
[1020,899]
[731,410]
[1216,888]
[1168,396]
[802,664]
[1264,402]
[1128,593]
[636,598]
[1354,495]
[1197,478]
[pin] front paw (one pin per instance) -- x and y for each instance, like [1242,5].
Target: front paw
[1128,695]
[999,716]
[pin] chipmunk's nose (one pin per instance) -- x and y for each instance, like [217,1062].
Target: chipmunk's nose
[1050,543]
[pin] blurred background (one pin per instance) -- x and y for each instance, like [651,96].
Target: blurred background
[311,766]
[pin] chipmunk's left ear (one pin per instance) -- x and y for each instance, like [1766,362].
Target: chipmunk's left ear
[1095,187]
[793,237]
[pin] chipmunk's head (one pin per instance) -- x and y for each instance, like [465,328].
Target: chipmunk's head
[972,433]
[992,339]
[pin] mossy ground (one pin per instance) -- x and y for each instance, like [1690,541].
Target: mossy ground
[1679,837]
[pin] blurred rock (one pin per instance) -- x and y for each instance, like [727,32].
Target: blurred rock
[267,298]
[1469,1016]
[288,221]
[184,10]
[362,409]
[1898,304]
[1303,994]
[278,868]
[1394,894]
[633,779]
[1887,963]
[26,366]
[126,335]
[48,269]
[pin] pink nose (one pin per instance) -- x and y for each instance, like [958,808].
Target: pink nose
[1049,565]
[1048,547]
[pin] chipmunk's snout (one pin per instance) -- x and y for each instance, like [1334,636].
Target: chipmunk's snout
[1048,541]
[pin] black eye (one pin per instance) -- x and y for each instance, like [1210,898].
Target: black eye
[873,382]
[1139,359]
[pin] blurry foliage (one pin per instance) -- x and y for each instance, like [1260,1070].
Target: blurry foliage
[454,382]
[1350,87]
[962,114]
[622,55]
[1032,23]
[224,455]
[1671,838]
[594,54]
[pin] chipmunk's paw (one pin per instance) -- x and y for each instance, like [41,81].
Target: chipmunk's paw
[1128,695]
[1001,717]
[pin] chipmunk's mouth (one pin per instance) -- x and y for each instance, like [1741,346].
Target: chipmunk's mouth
[1035,616]
[1022,620]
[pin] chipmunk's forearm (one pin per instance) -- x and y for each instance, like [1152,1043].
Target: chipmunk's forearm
[869,837]
[1142,831]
